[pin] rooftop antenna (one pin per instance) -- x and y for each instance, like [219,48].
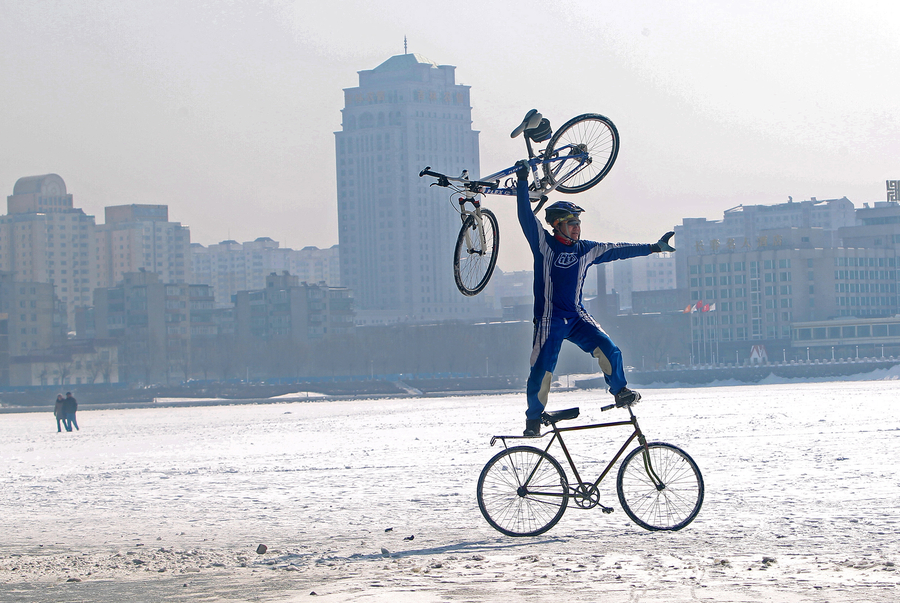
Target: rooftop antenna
[404,44]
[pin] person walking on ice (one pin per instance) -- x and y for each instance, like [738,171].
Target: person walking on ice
[561,261]
[59,413]
[70,407]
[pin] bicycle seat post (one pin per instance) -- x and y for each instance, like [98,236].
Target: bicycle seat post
[528,146]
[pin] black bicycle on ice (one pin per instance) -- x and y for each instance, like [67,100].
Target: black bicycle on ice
[524,491]
[577,157]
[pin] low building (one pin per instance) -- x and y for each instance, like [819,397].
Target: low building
[84,362]
[849,337]
[290,310]
[4,349]
[659,301]
[153,321]
[229,266]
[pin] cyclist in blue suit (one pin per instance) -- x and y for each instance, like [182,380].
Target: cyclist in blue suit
[561,262]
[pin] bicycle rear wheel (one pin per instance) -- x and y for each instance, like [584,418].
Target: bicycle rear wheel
[522,491]
[590,133]
[670,506]
[476,252]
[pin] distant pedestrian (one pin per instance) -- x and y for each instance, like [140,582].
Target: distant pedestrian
[70,406]
[60,414]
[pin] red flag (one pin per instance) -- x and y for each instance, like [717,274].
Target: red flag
[700,305]
[705,308]
[687,309]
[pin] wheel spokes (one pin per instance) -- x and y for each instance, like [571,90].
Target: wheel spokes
[596,139]
[475,256]
[523,493]
[669,505]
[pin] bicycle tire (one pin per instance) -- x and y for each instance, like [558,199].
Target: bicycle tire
[670,508]
[472,268]
[510,505]
[600,139]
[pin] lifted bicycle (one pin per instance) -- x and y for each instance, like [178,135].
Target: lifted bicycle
[577,157]
[523,490]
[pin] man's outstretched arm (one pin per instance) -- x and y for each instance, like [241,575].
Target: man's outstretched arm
[609,252]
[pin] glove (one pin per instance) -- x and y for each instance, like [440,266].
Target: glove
[522,172]
[663,243]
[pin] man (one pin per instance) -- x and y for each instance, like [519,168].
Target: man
[561,261]
[70,407]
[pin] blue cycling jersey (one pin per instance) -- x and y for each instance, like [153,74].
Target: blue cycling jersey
[560,269]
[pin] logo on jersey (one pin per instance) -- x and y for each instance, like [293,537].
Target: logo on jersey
[566,259]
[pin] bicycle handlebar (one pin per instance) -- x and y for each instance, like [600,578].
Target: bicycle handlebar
[616,405]
[427,172]
[444,180]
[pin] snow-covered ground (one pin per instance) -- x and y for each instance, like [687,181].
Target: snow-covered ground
[375,501]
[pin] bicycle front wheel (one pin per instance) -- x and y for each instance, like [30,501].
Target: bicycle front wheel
[522,491]
[476,252]
[590,133]
[673,503]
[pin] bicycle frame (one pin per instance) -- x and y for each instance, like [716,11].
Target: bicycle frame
[491,185]
[538,190]
[557,435]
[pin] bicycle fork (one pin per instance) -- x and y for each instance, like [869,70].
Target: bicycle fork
[645,454]
[476,221]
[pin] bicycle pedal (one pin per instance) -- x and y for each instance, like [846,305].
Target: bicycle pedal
[606,510]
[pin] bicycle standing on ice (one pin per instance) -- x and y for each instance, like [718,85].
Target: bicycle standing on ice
[577,157]
[524,491]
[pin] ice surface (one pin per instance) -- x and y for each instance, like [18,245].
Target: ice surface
[150,500]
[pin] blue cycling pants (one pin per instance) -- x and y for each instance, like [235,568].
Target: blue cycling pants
[548,339]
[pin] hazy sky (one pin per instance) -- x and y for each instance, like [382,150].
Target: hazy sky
[226,112]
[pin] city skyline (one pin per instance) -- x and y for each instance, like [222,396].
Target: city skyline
[227,114]
[767,273]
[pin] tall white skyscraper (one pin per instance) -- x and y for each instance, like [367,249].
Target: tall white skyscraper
[397,234]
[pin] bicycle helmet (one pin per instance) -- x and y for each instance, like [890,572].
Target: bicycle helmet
[561,211]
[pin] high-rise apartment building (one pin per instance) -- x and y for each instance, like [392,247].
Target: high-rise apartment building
[45,239]
[396,233]
[36,317]
[229,266]
[140,237]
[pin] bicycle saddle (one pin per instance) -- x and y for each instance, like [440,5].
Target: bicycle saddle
[559,415]
[532,120]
